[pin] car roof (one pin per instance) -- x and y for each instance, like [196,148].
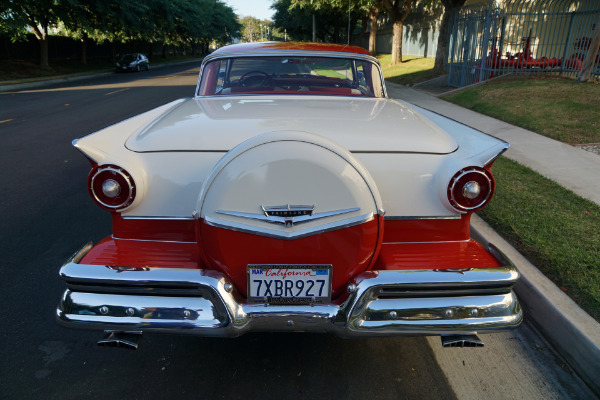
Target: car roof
[290,46]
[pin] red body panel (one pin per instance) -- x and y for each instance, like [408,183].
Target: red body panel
[349,250]
[303,46]
[153,229]
[134,253]
[407,244]
[427,230]
[468,254]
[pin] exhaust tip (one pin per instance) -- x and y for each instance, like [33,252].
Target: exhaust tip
[461,341]
[126,340]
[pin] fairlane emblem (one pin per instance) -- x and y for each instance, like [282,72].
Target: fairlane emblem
[288,215]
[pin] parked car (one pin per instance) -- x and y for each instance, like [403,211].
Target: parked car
[133,62]
[290,194]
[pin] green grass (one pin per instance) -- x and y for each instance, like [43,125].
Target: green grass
[412,70]
[558,231]
[557,108]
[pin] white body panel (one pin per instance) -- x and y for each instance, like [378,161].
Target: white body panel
[410,153]
[357,124]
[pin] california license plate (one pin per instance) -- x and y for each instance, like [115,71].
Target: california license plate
[289,284]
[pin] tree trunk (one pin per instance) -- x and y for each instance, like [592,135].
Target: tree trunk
[441,54]
[590,58]
[373,13]
[42,37]
[83,58]
[397,43]
[44,51]
[398,15]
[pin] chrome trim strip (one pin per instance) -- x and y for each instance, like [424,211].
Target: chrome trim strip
[260,231]
[286,221]
[381,303]
[145,218]
[491,160]
[393,217]
[277,53]
[149,240]
[433,241]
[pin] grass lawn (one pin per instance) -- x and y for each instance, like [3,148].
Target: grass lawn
[554,107]
[412,70]
[24,71]
[558,231]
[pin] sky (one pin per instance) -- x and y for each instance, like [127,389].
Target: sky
[253,8]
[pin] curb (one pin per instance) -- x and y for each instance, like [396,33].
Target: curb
[67,79]
[572,332]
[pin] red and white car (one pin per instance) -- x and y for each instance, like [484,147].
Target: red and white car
[290,194]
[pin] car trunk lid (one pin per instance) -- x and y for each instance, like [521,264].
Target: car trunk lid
[359,124]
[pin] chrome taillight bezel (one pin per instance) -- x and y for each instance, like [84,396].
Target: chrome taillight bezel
[459,201]
[103,173]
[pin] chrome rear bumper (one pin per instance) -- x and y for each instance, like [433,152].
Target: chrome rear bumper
[203,302]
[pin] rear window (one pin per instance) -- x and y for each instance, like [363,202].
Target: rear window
[291,75]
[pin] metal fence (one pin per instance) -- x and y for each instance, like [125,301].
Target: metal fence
[523,37]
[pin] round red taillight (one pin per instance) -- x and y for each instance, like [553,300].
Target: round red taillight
[470,189]
[111,187]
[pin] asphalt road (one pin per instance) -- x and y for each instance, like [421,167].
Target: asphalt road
[46,214]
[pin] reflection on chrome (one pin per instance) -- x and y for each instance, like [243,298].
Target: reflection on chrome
[204,302]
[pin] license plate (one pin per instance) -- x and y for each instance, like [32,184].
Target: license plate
[289,284]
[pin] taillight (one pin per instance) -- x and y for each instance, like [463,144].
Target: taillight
[470,189]
[111,187]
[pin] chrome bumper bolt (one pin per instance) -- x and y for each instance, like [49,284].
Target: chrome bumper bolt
[104,310]
[228,287]
[130,311]
[290,323]
[474,312]
[351,288]
[186,313]
[449,313]
[393,314]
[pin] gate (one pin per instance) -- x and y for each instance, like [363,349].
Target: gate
[522,37]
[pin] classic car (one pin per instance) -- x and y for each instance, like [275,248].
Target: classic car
[133,62]
[290,194]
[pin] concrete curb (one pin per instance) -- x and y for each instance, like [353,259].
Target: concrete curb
[67,79]
[572,332]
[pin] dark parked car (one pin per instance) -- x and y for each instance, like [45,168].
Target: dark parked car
[133,62]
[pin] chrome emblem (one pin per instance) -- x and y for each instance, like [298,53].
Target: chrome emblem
[288,215]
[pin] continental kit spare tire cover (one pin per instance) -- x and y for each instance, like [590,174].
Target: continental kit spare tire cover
[290,197]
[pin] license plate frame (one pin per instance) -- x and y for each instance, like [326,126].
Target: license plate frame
[311,291]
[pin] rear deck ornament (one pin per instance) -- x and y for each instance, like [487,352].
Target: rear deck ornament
[288,215]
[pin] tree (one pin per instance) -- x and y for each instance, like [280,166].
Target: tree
[441,55]
[38,15]
[331,18]
[398,11]
[359,10]
[250,28]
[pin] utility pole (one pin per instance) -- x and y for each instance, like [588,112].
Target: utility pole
[314,38]
[349,2]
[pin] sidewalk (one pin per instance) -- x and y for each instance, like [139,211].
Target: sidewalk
[575,335]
